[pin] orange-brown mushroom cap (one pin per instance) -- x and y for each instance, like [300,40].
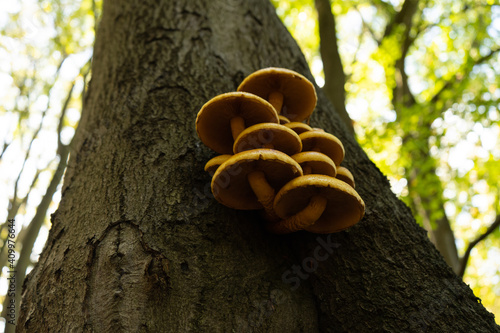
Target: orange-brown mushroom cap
[299,95]
[213,123]
[346,176]
[344,206]
[268,135]
[325,143]
[283,119]
[214,163]
[230,184]
[298,127]
[316,163]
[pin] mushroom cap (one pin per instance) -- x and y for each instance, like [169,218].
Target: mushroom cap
[344,206]
[299,95]
[213,123]
[298,127]
[345,175]
[215,162]
[259,136]
[230,185]
[283,119]
[318,162]
[325,143]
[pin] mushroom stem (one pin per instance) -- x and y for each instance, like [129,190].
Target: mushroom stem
[263,191]
[237,126]
[276,100]
[307,169]
[306,217]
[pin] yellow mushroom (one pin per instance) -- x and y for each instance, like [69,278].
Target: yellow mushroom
[290,93]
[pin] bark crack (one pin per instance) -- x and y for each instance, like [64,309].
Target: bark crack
[122,270]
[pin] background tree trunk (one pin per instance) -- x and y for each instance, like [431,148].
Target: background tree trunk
[332,64]
[139,244]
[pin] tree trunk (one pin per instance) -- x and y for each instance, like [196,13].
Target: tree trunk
[139,244]
[426,194]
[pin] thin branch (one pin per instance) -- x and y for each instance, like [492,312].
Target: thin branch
[354,58]
[367,27]
[465,258]
[461,74]
[32,231]
[63,113]
[35,225]
[5,146]
[421,29]
[332,63]
[401,92]
[405,15]
[26,156]
[16,184]
[12,214]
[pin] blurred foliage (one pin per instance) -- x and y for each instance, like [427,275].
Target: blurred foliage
[438,142]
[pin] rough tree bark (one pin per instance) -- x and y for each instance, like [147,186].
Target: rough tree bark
[138,244]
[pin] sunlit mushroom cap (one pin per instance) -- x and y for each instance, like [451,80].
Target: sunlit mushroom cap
[325,143]
[345,175]
[215,162]
[213,121]
[230,185]
[343,209]
[261,135]
[299,95]
[298,127]
[319,163]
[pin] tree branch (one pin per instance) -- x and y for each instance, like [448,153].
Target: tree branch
[405,16]
[4,148]
[332,64]
[464,260]
[459,75]
[31,233]
[26,156]
[401,92]
[367,27]
[34,228]
[12,214]
[63,113]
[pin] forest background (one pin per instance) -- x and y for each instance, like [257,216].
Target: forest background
[418,80]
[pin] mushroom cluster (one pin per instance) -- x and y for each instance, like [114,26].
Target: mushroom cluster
[270,160]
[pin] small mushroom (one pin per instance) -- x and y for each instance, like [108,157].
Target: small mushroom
[345,175]
[249,180]
[325,143]
[315,163]
[224,117]
[215,162]
[283,119]
[290,93]
[270,136]
[298,127]
[318,204]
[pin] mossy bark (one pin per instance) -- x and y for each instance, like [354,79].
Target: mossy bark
[139,245]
